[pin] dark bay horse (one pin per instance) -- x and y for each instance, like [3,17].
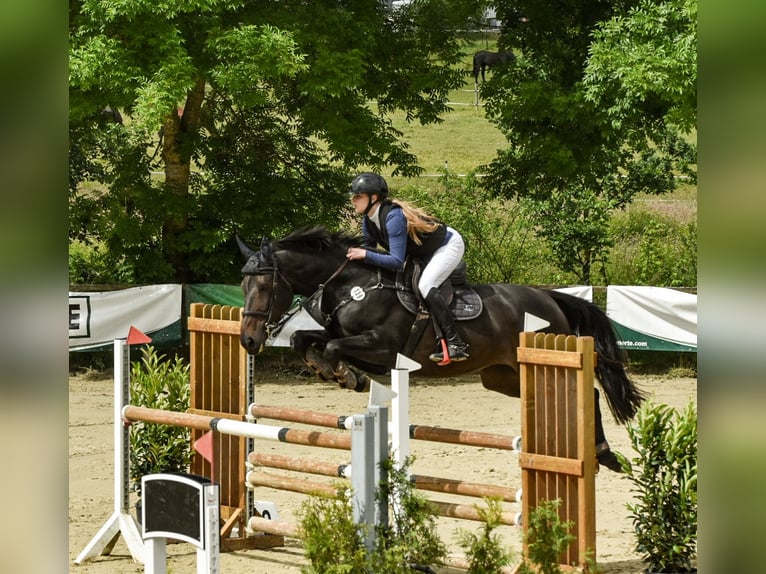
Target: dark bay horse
[486,59]
[366,326]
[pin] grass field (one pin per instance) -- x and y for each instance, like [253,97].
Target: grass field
[465,140]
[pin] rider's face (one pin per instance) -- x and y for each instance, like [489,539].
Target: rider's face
[360,201]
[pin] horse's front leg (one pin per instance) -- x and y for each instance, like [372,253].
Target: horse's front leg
[310,346]
[365,350]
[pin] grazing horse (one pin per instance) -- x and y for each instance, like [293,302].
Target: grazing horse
[366,322]
[486,59]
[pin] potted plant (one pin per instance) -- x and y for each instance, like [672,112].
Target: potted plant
[664,477]
[158,383]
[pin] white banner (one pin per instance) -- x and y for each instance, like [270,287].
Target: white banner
[581,291]
[98,318]
[653,317]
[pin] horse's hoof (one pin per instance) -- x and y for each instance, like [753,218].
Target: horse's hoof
[316,363]
[608,459]
[346,378]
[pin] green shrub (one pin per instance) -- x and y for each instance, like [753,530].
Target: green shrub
[652,249]
[485,551]
[334,544]
[331,540]
[664,477]
[546,537]
[411,536]
[159,384]
[91,264]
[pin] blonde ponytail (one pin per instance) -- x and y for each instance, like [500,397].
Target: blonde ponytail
[418,221]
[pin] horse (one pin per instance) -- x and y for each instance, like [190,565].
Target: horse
[365,324]
[486,59]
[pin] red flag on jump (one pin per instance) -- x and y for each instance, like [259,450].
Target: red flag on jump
[204,446]
[136,337]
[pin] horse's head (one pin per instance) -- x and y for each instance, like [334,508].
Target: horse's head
[267,295]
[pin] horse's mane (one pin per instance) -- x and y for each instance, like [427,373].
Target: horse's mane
[318,239]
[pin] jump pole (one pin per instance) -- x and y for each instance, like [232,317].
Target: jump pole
[121,521]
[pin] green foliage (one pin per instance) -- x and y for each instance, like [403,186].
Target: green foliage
[92,264]
[484,551]
[331,540]
[411,536]
[265,108]
[334,544]
[652,249]
[159,383]
[647,56]
[576,157]
[664,478]
[546,537]
[575,226]
[501,244]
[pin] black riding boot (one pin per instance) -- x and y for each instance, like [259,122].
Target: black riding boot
[457,350]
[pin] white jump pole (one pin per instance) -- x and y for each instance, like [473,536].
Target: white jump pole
[121,521]
[400,408]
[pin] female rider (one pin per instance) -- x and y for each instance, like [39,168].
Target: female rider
[405,230]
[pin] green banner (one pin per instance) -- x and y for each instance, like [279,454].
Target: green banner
[631,340]
[215,294]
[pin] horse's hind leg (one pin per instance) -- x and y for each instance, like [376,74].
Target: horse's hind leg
[504,379]
[604,454]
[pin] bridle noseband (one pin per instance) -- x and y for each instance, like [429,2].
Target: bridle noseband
[272,326]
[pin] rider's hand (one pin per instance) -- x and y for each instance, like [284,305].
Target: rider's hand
[355,253]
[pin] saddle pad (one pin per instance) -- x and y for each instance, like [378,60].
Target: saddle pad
[466,303]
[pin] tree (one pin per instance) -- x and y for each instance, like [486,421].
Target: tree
[581,144]
[252,112]
[646,60]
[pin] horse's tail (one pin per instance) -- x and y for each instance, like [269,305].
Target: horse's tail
[587,319]
[476,65]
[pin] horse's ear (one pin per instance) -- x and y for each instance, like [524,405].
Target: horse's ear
[266,247]
[244,249]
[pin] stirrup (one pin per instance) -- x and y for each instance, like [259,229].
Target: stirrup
[447,352]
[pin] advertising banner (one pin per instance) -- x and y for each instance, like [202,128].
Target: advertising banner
[96,319]
[653,318]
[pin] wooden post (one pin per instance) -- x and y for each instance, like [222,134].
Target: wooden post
[558,459]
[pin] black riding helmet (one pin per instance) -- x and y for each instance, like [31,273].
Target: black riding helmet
[369,183]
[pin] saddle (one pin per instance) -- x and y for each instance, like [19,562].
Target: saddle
[463,301]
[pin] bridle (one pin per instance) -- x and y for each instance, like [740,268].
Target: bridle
[272,326]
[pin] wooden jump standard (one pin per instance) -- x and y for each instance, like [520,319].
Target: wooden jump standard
[558,459]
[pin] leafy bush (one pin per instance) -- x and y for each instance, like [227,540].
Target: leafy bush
[333,543]
[664,477]
[546,537]
[160,384]
[484,551]
[90,263]
[652,249]
[331,540]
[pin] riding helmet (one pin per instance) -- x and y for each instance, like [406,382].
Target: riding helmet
[369,183]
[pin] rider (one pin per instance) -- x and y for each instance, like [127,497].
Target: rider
[403,229]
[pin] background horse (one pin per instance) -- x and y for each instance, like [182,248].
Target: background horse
[366,325]
[486,59]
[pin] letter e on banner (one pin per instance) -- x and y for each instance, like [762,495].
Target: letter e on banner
[79,316]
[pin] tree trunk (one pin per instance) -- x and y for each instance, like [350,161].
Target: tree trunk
[180,129]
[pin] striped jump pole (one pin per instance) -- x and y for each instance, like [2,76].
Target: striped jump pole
[237,428]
